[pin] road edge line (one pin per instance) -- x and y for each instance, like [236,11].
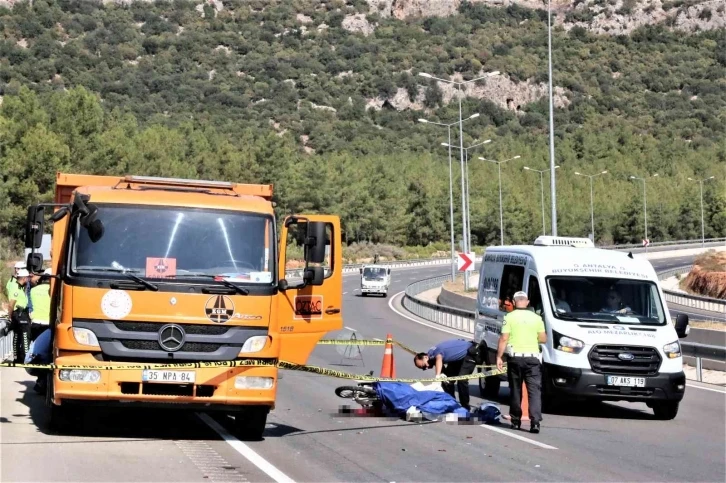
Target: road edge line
[516,436]
[705,388]
[261,463]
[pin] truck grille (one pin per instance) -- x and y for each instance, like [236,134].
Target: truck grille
[155,326]
[604,360]
[152,345]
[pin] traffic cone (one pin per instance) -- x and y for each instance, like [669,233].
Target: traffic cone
[525,403]
[388,368]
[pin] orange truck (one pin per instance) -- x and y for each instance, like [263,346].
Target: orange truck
[150,271]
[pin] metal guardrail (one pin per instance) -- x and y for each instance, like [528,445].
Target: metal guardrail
[6,340]
[703,351]
[709,304]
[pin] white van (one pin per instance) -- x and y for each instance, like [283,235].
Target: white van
[375,279]
[609,332]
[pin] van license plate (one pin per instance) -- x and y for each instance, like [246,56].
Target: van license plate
[626,381]
[178,377]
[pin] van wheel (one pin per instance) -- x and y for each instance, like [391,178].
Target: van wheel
[250,423]
[665,410]
[489,386]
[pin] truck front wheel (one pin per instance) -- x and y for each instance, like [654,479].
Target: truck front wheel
[665,410]
[249,424]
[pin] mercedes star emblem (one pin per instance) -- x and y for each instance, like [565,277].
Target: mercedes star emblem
[171,337]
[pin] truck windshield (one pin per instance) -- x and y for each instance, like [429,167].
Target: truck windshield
[605,300]
[374,273]
[178,243]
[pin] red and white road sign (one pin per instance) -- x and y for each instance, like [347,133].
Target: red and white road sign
[466,261]
[646,242]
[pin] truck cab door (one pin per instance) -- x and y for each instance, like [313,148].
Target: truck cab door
[308,309]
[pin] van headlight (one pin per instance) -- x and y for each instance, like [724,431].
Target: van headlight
[672,350]
[569,344]
[85,337]
[254,344]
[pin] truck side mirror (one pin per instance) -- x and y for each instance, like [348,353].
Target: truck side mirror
[93,225]
[314,275]
[388,271]
[361,270]
[34,224]
[34,263]
[682,327]
[315,242]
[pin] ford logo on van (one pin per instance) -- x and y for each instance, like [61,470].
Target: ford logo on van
[626,356]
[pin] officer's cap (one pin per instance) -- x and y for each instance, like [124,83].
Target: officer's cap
[19,265]
[520,295]
[23,273]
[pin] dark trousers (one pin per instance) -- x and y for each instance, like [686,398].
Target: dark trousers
[529,370]
[462,367]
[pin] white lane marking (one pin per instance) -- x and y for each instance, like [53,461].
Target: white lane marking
[376,338]
[350,328]
[246,451]
[430,326]
[705,388]
[345,293]
[356,290]
[516,436]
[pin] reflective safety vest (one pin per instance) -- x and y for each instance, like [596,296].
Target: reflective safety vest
[40,299]
[17,293]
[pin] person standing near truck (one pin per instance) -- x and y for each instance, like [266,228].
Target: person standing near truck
[523,331]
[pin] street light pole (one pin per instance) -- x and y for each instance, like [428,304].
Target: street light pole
[645,209]
[451,191]
[592,209]
[461,147]
[552,122]
[703,226]
[541,182]
[501,209]
[466,192]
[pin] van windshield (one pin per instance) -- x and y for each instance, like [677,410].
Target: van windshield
[370,273]
[605,300]
[159,242]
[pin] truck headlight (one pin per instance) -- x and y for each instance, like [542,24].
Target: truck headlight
[85,337]
[254,344]
[79,375]
[672,350]
[569,344]
[253,382]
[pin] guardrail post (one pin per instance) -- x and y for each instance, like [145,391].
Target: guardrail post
[699,369]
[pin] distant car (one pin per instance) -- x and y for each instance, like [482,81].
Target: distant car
[375,279]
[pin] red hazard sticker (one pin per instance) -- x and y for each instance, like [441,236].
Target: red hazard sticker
[157,267]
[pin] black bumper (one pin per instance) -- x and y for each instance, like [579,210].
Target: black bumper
[584,383]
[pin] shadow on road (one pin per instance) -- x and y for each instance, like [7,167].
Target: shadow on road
[579,409]
[131,423]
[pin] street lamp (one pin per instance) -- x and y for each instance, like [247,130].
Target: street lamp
[461,147]
[501,215]
[553,194]
[592,211]
[541,182]
[451,190]
[468,208]
[703,229]
[645,209]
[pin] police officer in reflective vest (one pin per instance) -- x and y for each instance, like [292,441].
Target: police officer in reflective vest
[522,332]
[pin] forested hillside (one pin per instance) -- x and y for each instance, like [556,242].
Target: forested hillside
[283,92]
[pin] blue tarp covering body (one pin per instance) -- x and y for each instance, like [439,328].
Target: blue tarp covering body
[398,397]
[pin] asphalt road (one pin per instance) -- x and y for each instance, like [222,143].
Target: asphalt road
[307,439]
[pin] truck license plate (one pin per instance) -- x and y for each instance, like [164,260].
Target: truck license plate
[626,381]
[178,377]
